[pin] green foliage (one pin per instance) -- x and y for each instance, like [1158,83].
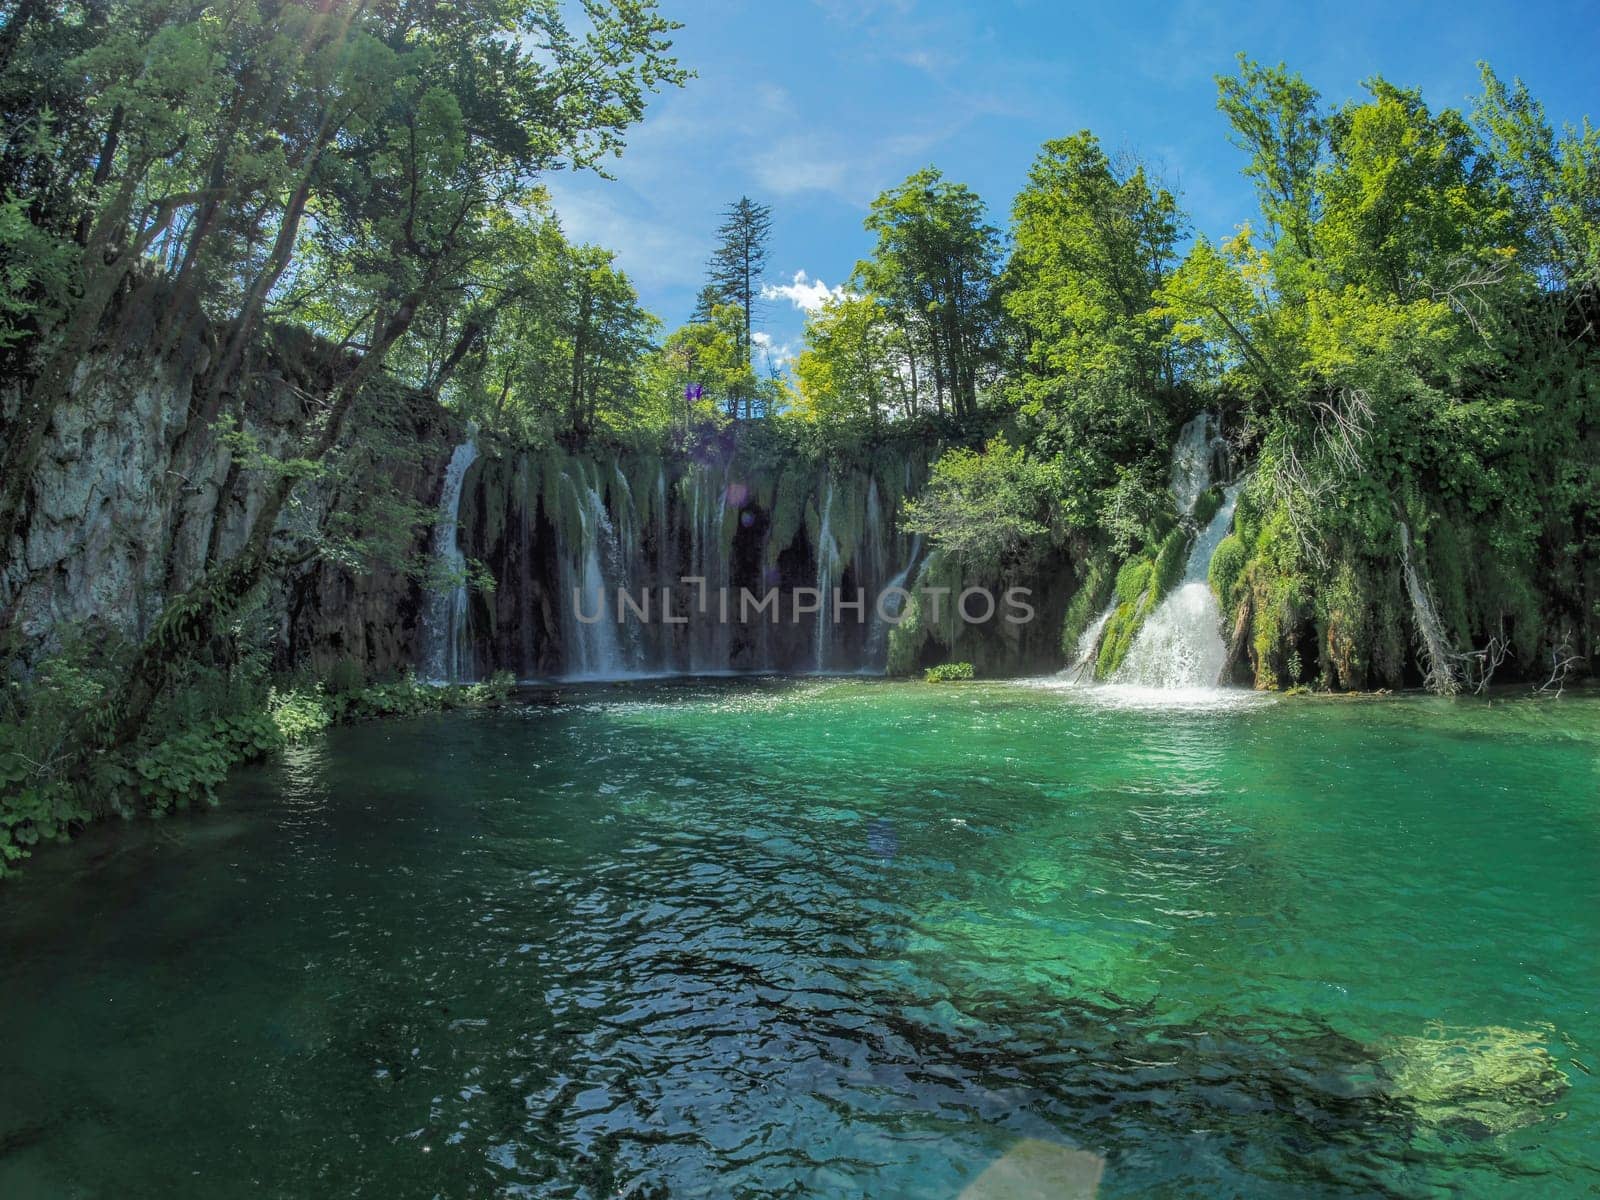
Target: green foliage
[935,270]
[949,673]
[1226,565]
[226,716]
[298,714]
[989,509]
[907,639]
[1086,604]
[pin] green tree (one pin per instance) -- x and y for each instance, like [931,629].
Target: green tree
[479,103]
[734,272]
[935,269]
[1554,181]
[990,509]
[853,375]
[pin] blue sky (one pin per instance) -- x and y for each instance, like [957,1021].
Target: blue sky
[815,106]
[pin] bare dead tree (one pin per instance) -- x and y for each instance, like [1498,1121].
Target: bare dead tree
[1478,666]
[1563,658]
[1469,287]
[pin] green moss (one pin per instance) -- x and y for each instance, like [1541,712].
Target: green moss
[1086,604]
[1223,573]
[1171,557]
[1206,505]
[1133,579]
[788,510]
[949,673]
[1118,637]
[907,639]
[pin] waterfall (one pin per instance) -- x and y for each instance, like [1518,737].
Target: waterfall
[710,635]
[1088,647]
[624,531]
[590,583]
[447,652]
[1198,456]
[1180,644]
[1438,659]
[878,638]
[827,562]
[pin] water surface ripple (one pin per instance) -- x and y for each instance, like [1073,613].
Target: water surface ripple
[811,938]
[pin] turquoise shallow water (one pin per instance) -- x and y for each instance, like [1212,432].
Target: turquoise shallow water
[751,938]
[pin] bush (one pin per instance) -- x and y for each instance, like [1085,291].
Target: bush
[222,716]
[949,673]
[298,714]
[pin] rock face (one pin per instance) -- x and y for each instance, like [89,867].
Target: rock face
[138,490]
[150,474]
[548,524]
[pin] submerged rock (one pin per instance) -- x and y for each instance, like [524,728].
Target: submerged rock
[1483,1081]
[1034,1169]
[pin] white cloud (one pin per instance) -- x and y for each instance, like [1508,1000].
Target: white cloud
[651,246]
[778,354]
[804,293]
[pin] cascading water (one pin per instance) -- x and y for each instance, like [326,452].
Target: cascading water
[1198,456]
[710,634]
[1088,647]
[827,564]
[447,651]
[1180,644]
[589,587]
[629,534]
[878,637]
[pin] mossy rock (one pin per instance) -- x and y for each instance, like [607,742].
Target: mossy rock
[1487,1080]
[1118,637]
[1223,573]
[1086,604]
[1206,506]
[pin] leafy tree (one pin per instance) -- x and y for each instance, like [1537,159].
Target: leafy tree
[935,269]
[702,370]
[853,374]
[1093,243]
[474,103]
[1276,120]
[1554,181]
[989,508]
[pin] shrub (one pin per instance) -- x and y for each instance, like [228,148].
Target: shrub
[298,714]
[222,716]
[949,673]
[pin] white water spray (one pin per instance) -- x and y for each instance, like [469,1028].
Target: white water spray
[447,652]
[1088,647]
[1180,644]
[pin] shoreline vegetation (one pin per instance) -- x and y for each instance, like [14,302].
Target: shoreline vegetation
[266,269]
